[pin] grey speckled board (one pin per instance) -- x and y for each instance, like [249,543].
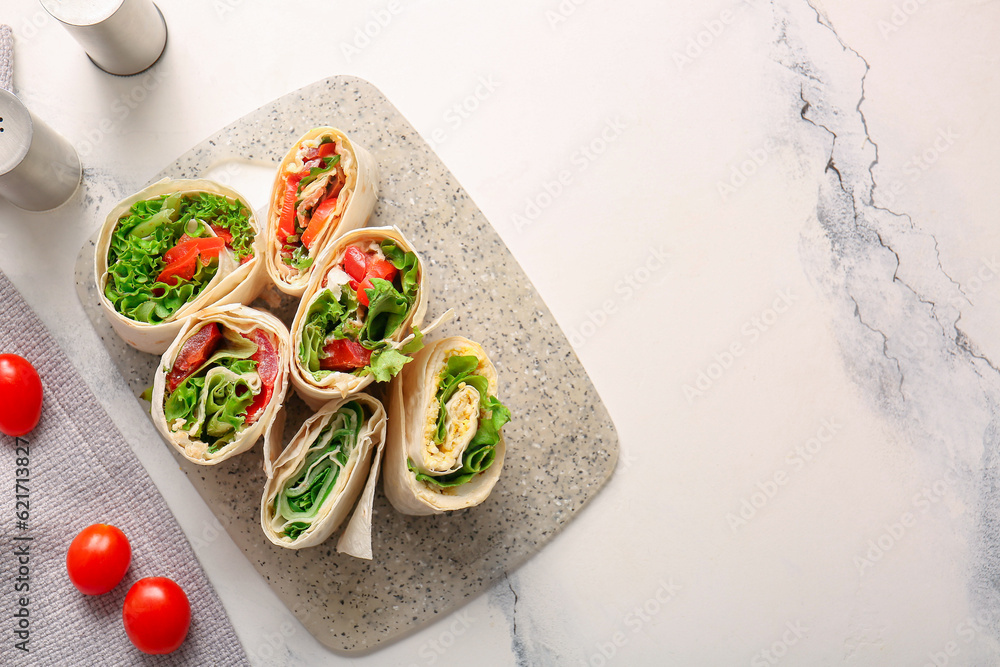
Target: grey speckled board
[561,443]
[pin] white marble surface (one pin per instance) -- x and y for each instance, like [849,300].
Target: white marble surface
[849,394]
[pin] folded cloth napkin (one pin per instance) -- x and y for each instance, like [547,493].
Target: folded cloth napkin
[81,471]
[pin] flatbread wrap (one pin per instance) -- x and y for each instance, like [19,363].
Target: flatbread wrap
[326,186]
[360,316]
[445,448]
[172,249]
[221,382]
[331,462]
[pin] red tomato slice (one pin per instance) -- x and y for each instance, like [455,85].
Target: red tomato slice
[183,266]
[181,258]
[267,367]
[326,150]
[223,234]
[383,269]
[208,247]
[344,356]
[318,221]
[20,395]
[195,351]
[365,284]
[355,263]
[286,223]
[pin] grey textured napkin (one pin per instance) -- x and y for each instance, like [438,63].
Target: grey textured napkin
[6,58]
[81,471]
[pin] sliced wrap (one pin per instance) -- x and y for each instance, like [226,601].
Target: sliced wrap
[314,483]
[325,186]
[360,315]
[444,448]
[221,383]
[172,249]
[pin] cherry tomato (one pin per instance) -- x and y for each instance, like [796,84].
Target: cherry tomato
[157,615]
[98,558]
[20,395]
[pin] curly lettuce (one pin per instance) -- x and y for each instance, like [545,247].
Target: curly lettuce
[302,496]
[151,228]
[481,451]
[329,318]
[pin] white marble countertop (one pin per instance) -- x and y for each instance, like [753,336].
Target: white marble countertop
[801,373]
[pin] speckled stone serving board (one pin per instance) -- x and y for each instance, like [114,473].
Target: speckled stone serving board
[561,443]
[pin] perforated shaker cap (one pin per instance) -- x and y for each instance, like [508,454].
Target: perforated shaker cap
[15,131]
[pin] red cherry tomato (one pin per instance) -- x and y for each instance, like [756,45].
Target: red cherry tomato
[98,558]
[382,269]
[20,395]
[157,615]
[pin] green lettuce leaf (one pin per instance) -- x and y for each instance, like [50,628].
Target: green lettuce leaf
[324,316]
[152,227]
[386,364]
[387,309]
[226,395]
[481,451]
[302,496]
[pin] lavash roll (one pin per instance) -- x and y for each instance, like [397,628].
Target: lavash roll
[356,478]
[354,206]
[413,411]
[316,392]
[236,319]
[232,283]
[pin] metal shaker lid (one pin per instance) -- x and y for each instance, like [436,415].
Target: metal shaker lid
[15,131]
[81,12]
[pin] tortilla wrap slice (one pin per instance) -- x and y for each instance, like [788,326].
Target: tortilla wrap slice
[234,280]
[312,484]
[444,449]
[215,376]
[331,283]
[334,194]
